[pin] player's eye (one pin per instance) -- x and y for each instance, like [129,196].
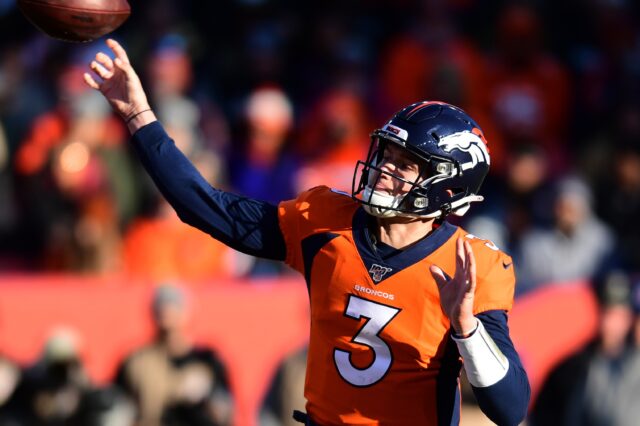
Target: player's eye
[408,166]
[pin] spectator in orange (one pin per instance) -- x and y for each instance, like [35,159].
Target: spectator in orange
[73,161]
[161,248]
[158,247]
[334,136]
[433,61]
[528,90]
[430,60]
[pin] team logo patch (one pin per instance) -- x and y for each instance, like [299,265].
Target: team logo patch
[467,142]
[378,272]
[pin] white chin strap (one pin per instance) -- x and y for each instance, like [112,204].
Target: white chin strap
[386,205]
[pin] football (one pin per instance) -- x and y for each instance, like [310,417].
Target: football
[76,20]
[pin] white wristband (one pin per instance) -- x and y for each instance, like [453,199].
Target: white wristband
[484,363]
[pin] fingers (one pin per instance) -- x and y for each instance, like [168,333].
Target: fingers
[105,61]
[471,269]
[118,50]
[100,70]
[90,81]
[439,276]
[460,258]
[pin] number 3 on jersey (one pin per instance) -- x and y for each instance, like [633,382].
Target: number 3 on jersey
[378,316]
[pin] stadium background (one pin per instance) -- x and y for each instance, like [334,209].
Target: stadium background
[270,97]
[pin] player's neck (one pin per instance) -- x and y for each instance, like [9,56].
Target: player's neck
[402,232]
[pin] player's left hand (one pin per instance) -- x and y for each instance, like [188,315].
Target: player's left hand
[457,293]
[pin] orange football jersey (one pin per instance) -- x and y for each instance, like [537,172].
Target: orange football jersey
[380,351]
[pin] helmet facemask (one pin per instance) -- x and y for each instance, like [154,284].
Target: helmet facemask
[412,203]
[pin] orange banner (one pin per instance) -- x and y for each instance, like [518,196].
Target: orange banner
[252,325]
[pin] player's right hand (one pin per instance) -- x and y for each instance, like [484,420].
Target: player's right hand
[121,86]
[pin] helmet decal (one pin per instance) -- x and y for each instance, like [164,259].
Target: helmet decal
[467,142]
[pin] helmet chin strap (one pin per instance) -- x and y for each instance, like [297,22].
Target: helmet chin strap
[381,199]
[458,208]
[386,205]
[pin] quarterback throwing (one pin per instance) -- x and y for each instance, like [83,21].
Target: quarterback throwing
[399,297]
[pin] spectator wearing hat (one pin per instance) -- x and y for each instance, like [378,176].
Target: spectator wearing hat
[599,384]
[53,390]
[576,247]
[171,381]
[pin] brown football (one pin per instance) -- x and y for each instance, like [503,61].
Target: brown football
[76,20]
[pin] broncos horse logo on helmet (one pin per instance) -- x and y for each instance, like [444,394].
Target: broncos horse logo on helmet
[453,155]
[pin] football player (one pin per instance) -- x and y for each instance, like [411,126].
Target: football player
[399,297]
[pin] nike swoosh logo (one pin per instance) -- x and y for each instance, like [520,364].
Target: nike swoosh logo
[506,265]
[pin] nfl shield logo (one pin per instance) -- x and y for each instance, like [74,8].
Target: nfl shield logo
[378,272]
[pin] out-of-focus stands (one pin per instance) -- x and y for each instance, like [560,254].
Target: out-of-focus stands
[252,328]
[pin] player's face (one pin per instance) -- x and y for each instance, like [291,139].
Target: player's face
[398,162]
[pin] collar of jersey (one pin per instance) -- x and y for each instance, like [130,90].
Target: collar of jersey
[403,258]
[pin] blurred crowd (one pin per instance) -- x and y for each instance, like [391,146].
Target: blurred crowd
[268,98]
[169,381]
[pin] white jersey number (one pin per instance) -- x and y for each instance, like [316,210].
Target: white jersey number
[378,316]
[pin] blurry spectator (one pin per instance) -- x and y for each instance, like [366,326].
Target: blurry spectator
[10,376]
[286,392]
[158,246]
[264,168]
[185,105]
[619,201]
[600,384]
[23,86]
[75,181]
[517,199]
[578,246]
[605,59]
[335,135]
[52,391]
[8,211]
[162,248]
[173,382]
[528,90]
[635,302]
[433,60]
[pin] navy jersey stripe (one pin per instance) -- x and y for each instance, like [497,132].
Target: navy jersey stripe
[401,259]
[311,245]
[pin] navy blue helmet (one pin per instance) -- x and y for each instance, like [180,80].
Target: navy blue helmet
[452,155]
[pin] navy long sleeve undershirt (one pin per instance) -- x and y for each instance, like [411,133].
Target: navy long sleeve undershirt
[505,402]
[252,227]
[244,224]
